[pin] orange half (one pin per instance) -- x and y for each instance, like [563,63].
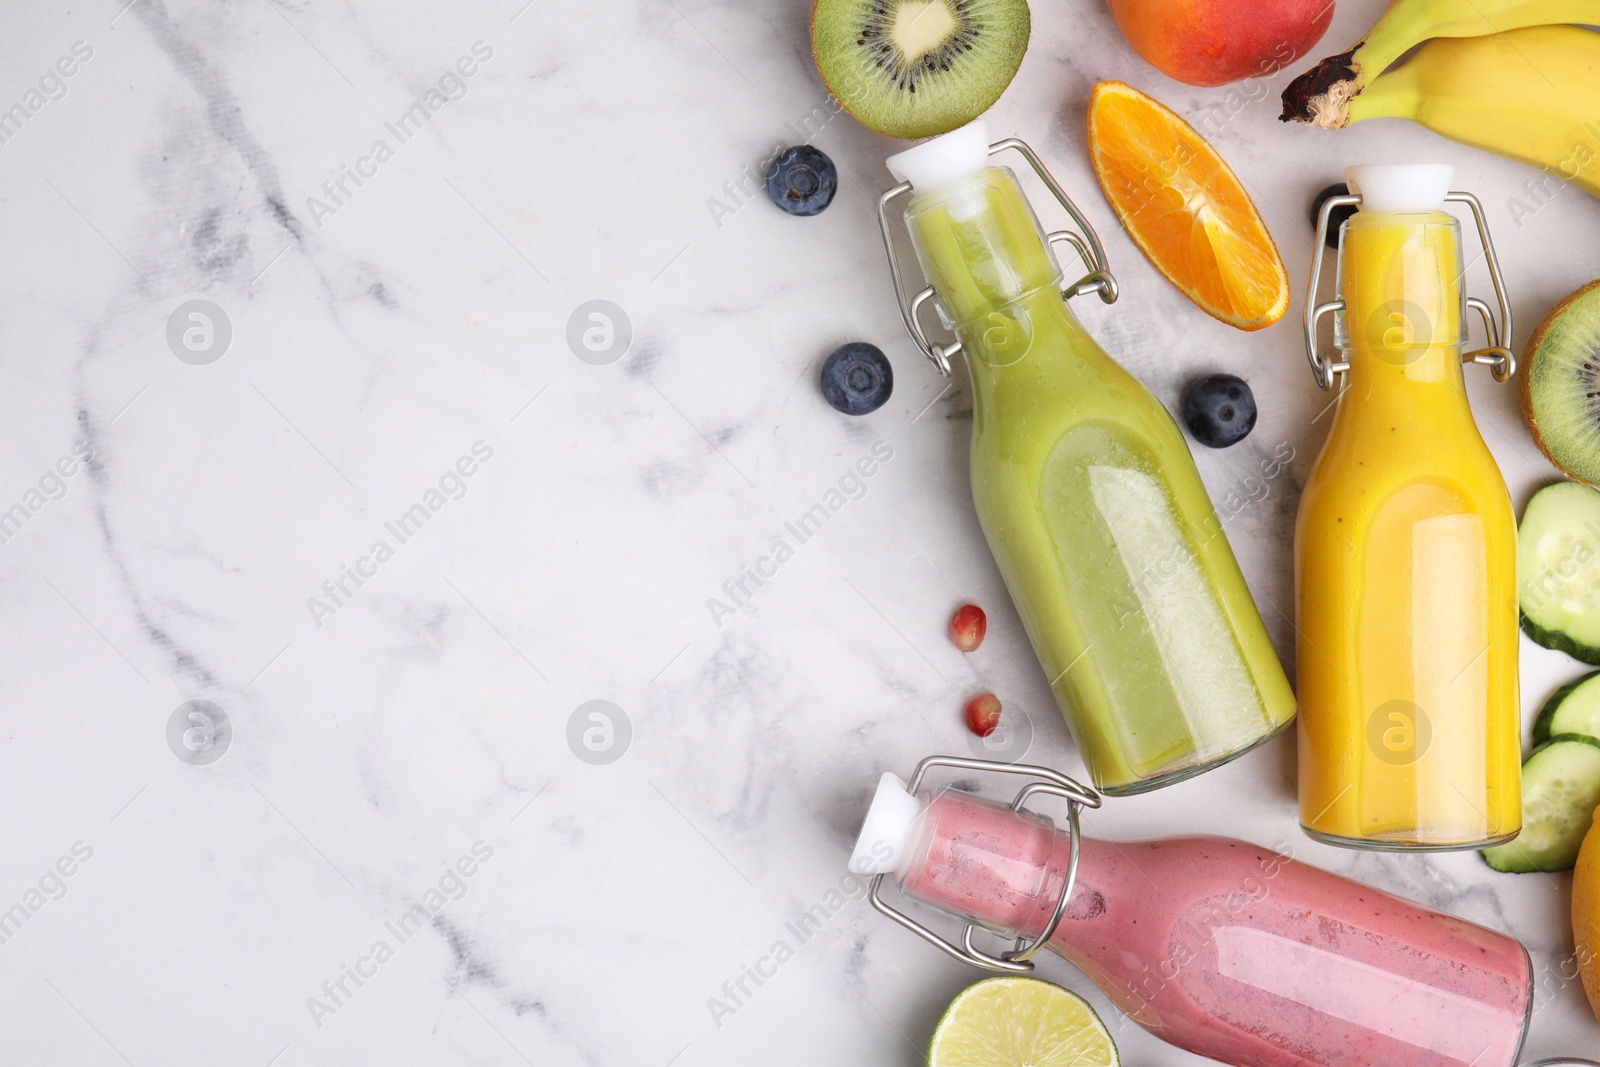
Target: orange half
[1185,209]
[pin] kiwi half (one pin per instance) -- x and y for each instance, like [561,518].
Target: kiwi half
[915,68]
[1561,385]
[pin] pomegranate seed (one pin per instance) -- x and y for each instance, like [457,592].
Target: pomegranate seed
[983,714]
[967,627]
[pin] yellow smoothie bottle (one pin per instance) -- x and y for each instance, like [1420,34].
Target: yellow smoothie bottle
[1405,547]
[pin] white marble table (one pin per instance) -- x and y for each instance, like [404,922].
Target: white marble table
[390,337]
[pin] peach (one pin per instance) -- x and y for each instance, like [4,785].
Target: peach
[1214,42]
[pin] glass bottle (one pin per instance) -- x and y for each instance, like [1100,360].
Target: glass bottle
[1087,494]
[1219,947]
[1405,547]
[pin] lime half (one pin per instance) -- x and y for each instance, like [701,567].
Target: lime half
[1020,1022]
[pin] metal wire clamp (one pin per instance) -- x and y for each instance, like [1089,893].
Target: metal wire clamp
[1087,243]
[1496,355]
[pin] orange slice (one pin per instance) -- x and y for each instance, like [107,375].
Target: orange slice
[1185,209]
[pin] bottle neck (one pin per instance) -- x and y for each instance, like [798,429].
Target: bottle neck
[1402,329]
[994,866]
[983,251]
[1412,374]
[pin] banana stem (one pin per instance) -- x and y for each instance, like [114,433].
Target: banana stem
[1321,96]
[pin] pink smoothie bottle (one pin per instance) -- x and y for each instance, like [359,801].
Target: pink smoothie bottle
[1217,946]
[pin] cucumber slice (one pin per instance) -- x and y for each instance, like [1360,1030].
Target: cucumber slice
[1560,791]
[1558,569]
[1572,709]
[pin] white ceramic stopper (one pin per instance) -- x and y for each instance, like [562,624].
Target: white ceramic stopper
[889,830]
[1393,187]
[946,159]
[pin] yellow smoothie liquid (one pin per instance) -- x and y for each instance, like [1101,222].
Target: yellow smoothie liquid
[1095,512]
[1405,557]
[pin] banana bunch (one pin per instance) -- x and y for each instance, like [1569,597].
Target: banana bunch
[1519,78]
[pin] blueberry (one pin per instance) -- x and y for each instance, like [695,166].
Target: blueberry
[1219,410]
[802,180]
[857,378]
[1336,219]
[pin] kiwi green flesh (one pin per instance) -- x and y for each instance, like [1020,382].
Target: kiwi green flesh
[916,68]
[1564,387]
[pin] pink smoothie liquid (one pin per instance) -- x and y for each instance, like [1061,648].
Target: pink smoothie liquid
[1235,952]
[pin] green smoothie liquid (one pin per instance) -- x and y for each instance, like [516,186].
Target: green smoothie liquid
[1095,512]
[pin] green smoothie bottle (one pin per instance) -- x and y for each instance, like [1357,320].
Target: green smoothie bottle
[1085,488]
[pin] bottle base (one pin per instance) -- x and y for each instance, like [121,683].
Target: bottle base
[1166,778]
[1386,844]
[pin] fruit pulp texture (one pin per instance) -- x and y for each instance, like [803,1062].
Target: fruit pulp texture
[1095,512]
[1233,951]
[1405,556]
